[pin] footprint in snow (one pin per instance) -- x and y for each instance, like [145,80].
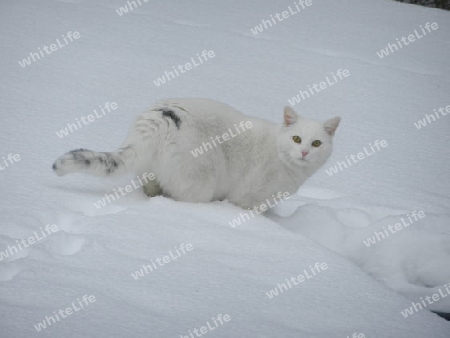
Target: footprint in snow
[64,241]
[65,244]
[10,251]
[8,271]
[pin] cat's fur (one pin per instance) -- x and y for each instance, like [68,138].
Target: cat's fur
[246,169]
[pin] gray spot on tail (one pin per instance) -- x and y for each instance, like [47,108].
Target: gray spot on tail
[167,112]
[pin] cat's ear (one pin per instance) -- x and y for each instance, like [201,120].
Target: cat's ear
[290,116]
[331,125]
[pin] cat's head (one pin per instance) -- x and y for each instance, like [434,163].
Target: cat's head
[303,142]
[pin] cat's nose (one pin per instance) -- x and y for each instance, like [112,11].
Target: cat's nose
[304,153]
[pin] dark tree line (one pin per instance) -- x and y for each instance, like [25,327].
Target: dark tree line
[443,4]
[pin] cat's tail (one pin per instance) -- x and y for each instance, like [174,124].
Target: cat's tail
[157,124]
[96,163]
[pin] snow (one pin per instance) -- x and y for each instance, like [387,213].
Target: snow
[229,270]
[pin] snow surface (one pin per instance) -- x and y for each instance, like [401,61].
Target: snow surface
[229,269]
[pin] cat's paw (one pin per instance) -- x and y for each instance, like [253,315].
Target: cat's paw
[152,189]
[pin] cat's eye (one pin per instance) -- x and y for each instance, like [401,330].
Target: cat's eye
[297,139]
[316,143]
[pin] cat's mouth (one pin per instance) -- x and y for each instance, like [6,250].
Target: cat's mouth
[303,161]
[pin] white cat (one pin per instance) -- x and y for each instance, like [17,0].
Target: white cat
[256,161]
